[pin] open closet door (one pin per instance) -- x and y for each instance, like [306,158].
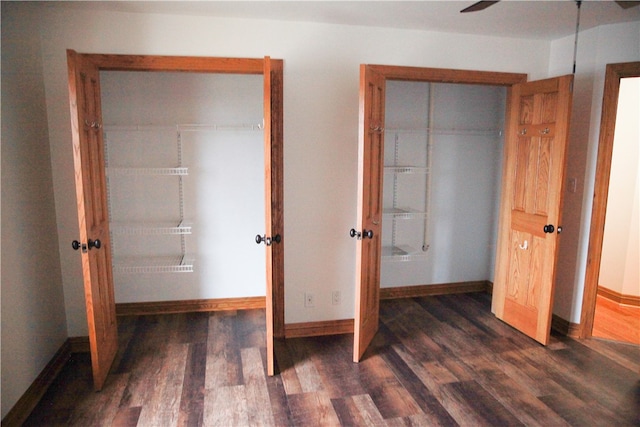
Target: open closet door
[274,203]
[530,213]
[370,173]
[93,215]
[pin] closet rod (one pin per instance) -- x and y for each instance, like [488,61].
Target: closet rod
[432,131]
[187,127]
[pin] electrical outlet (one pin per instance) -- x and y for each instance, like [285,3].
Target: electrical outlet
[335,298]
[309,299]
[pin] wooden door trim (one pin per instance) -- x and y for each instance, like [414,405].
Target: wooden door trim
[446,75]
[613,74]
[218,65]
[201,64]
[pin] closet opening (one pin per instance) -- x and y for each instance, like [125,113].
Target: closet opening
[428,190]
[184,159]
[442,178]
[143,144]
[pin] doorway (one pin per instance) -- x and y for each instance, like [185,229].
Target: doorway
[613,76]
[373,80]
[184,157]
[91,187]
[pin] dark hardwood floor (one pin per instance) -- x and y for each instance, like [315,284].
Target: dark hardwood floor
[435,361]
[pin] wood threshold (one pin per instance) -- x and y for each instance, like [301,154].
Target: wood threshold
[619,298]
[28,401]
[189,306]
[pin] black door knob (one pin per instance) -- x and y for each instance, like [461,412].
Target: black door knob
[268,240]
[549,228]
[354,233]
[94,244]
[75,245]
[367,233]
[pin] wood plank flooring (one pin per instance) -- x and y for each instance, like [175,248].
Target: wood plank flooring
[436,361]
[616,321]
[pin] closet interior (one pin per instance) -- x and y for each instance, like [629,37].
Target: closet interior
[185,172]
[442,164]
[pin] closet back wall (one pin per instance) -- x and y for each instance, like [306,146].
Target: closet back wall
[210,125]
[462,126]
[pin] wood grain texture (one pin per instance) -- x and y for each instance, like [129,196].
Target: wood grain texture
[438,289]
[92,207]
[613,74]
[442,75]
[535,146]
[616,321]
[618,298]
[438,360]
[188,306]
[312,329]
[369,204]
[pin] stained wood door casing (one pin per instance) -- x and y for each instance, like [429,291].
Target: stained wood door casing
[536,143]
[274,195]
[88,146]
[613,74]
[93,218]
[369,220]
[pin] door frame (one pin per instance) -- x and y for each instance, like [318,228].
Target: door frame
[613,74]
[433,75]
[220,65]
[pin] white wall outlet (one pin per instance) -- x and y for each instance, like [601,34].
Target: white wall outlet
[309,299]
[335,298]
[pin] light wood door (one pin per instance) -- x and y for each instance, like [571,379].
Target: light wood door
[530,213]
[274,194]
[369,221]
[93,218]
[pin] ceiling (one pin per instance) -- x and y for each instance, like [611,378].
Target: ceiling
[542,19]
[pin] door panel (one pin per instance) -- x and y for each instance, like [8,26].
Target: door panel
[370,174]
[537,137]
[274,194]
[93,219]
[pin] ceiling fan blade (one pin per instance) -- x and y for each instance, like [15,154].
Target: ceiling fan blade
[627,4]
[481,5]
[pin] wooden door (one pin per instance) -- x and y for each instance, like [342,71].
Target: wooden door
[530,213]
[369,221]
[93,215]
[274,195]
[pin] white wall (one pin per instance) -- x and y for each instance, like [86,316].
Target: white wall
[321,120]
[33,317]
[620,247]
[465,173]
[597,47]
[222,195]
